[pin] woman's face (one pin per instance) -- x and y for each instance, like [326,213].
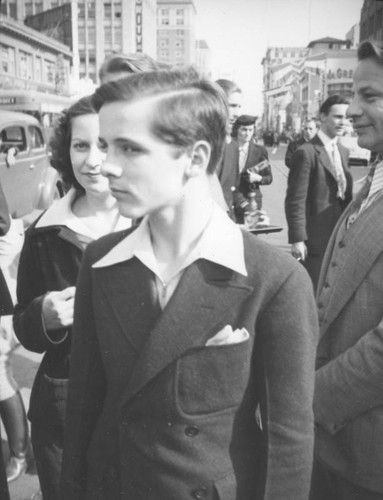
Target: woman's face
[85,154]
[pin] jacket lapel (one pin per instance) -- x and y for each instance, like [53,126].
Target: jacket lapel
[367,230]
[132,283]
[205,300]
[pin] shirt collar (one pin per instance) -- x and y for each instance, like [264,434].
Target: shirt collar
[327,141]
[221,242]
[60,214]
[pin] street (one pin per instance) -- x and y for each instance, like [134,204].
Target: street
[26,363]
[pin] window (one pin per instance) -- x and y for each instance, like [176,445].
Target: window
[179,21]
[13,137]
[38,7]
[7,59]
[107,10]
[117,10]
[25,65]
[180,12]
[164,12]
[178,53]
[180,32]
[38,71]
[165,21]
[28,8]
[179,43]
[164,43]
[49,71]
[164,53]
[91,10]
[35,137]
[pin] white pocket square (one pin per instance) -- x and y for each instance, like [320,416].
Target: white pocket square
[227,336]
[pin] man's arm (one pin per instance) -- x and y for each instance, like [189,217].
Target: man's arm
[350,384]
[288,334]
[298,183]
[87,386]
[291,148]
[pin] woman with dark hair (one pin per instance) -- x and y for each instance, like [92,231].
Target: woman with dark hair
[49,264]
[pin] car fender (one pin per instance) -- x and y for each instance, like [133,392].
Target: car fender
[50,188]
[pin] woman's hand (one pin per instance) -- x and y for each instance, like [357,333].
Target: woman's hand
[58,309]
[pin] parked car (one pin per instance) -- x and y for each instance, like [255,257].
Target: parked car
[27,178]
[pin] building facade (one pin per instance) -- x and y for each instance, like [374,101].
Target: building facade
[99,28]
[176,42]
[294,89]
[203,58]
[34,71]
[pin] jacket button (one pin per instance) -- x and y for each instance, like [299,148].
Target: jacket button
[334,264]
[199,493]
[327,284]
[341,244]
[191,431]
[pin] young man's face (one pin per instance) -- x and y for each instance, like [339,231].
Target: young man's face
[335,121]
[235,103]
[245,133]
[145,175]
[366,109]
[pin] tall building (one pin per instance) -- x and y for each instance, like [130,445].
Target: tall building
[371,21]
[102,27]
[176,43]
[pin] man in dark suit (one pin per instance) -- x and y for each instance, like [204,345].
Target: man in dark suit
[348,403]
[185,325]
[240,156]
[319,187]
[308,132]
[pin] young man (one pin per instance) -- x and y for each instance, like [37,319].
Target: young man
[348,403]
[185,325]
[319,187]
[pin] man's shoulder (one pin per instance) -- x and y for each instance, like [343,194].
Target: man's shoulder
[98,248]
[267,263]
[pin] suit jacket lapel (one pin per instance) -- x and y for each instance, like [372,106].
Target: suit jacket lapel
[205,301]
[358,260]
[132,283]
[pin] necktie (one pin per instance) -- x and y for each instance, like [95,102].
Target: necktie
[339,173]
[374,183]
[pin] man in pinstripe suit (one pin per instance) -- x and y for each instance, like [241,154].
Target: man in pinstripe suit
[348,402]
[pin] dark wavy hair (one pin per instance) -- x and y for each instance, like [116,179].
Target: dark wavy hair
[59,143]
[186,107]
[332,101]
[371,49]
[116,63]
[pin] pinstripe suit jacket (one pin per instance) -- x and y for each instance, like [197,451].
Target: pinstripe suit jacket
[348,403]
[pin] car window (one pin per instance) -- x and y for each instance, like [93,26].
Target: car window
[36,137]
[13,136]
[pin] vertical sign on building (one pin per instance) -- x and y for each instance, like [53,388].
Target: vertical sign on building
[138,25]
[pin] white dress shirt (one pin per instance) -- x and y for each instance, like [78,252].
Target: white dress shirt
[221,242]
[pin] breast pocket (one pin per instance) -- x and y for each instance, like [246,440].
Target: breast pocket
[214,378]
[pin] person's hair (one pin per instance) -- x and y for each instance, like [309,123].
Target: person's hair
[332,101]
[186,107]
[127,63]
[243,120]
[228,86]
[371,50]
[59,143]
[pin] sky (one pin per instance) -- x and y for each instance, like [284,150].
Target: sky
[239,32]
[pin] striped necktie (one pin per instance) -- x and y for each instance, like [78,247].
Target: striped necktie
[374,183]
[339,173]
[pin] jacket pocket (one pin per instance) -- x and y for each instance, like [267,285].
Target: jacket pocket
[214,378]
[48,400]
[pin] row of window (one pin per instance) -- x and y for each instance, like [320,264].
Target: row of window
[30,67]
[164,42]
[166,12]
[166,53]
